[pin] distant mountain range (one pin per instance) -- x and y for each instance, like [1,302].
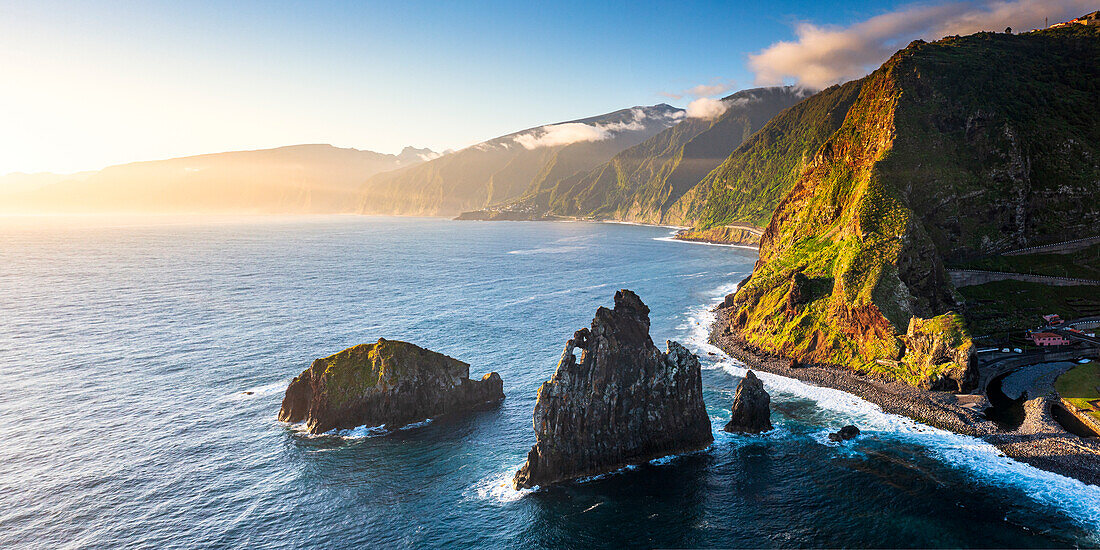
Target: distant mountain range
[506,167]
[646,182]
[293,179]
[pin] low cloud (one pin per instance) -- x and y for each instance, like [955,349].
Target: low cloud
[827,55]
[706,107]
[556,135]
[562,134]
[716,87]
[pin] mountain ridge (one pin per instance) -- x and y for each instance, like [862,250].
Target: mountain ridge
[304,178]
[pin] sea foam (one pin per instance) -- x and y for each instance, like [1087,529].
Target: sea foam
[1078,500]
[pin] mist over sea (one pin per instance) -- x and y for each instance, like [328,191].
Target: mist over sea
[143,361]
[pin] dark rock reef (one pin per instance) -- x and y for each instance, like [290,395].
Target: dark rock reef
[389,382]
[751,412]
[623,402]
[844,434]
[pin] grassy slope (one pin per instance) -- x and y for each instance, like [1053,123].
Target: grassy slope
[1079,386]
[952,148]
[749,184]
[349,374]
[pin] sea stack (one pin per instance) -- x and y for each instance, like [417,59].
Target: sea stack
[389,382]
[751,412]
[622,402]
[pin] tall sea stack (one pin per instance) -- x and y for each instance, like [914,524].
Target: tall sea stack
[389,382]
[751,411]
[623,402]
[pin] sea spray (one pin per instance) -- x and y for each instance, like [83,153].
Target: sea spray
[1077,499]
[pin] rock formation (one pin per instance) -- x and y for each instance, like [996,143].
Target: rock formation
[623,402]
[751,412]
[941,348]
[844,434]
[389,382]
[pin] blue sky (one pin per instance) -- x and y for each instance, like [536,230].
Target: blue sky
[96,83]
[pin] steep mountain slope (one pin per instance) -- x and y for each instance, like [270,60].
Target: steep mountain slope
[965,146]
[293,179]
[503,168]
[748,185]
[643,183]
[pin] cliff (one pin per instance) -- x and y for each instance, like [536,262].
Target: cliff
[966,146]
[388,382]
[723,234]
[622,402]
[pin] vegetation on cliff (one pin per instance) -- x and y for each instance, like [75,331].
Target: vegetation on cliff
[962,147]
[388,382]
[723,234]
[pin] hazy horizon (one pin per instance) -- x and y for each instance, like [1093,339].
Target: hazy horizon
[96,88]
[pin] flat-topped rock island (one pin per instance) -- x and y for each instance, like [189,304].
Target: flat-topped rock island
[389,383]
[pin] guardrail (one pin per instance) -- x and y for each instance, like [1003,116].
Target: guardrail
[970,277]
[1039,248]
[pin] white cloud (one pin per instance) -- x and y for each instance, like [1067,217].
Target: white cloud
[825,55]
[706,107]
[556,135]
[562,134]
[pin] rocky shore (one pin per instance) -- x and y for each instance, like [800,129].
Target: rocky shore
[389,382]
[743,235]
[622,402]
[1038,441]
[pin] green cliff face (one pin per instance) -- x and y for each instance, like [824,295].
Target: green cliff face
[965,146]
[751,181]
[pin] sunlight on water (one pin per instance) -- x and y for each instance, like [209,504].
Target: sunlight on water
[150,358]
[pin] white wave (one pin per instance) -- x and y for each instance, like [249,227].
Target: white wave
[414,425]
[728,245]
[360,432]
[259,391]
[498,488]
[676,227]
[1078,499]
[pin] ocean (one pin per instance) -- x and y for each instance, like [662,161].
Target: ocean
[144,360]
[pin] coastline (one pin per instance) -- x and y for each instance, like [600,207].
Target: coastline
[731,235]
[1039,441]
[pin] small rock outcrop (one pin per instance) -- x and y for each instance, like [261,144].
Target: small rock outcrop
[622,402]
[388,382]
[844,434]
[940,349]
[751,412]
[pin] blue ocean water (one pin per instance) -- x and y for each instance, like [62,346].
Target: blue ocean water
[143,361]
